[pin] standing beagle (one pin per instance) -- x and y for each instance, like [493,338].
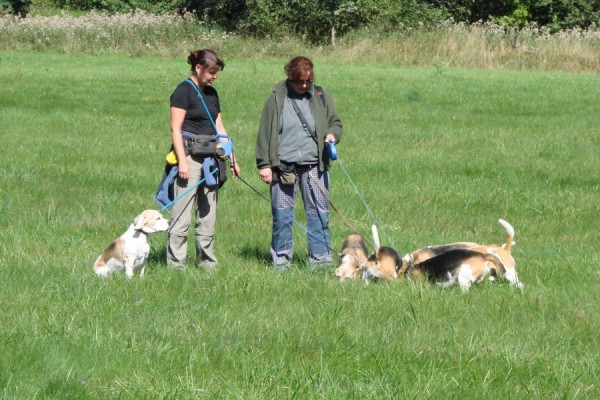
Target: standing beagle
[504,255]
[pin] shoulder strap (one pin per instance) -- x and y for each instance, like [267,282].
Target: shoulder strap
[313,134]
[204,104]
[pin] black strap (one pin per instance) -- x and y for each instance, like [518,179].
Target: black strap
[313,134]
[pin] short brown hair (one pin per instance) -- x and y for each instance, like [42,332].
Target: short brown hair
[207,58]
[297,68]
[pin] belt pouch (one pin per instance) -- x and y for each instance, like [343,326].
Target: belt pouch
[287,173]
[202,145]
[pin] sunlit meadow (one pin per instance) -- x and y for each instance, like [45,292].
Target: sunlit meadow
[445,132]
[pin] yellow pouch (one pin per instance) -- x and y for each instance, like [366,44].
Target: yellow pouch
[172,158]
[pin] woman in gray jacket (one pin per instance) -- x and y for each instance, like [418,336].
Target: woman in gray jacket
[297,121]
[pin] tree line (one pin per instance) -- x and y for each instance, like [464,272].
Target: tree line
[319,21]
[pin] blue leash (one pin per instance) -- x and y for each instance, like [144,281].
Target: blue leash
[204,104]
[169,205]
[304,228]
[364,202]
[217,134]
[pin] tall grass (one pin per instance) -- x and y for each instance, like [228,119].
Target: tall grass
[439,154]
[484,46]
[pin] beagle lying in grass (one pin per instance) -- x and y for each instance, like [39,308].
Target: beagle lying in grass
[384,263]
[458,263]
[352,257]
[132,248]
[424,254]
[459,266]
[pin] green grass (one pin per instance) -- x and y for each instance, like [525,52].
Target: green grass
[438,154]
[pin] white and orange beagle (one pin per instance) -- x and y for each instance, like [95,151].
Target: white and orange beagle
[132,248]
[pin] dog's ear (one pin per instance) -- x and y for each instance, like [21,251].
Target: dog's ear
[138,222]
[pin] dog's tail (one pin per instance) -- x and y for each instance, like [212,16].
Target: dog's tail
[510,232]
[376,241]
[499,268]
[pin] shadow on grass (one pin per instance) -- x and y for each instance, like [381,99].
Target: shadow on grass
[157,259]
[259,254]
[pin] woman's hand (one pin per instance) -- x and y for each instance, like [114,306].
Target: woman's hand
[235,166]
[184,172]
[266,174]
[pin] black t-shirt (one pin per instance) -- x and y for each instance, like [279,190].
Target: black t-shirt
[196,120]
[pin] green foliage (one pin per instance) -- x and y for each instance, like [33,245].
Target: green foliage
[393,15]
[562,14]
[115,6]
[311,19]
[555,14]
[316,21]
[18,7]
[519,17]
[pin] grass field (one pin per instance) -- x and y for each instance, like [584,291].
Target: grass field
[438,155]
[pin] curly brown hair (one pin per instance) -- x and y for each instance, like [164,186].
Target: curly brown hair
[299,68]
[206,58]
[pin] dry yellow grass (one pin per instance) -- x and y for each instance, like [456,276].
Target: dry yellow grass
[481,46]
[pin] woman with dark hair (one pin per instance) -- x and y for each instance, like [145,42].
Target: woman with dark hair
[297,121]
[196,117]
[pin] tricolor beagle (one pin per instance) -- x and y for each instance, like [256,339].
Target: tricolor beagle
[504,255]
[352,257]
[384,263]
[460,266]
[424,254]
[503,266]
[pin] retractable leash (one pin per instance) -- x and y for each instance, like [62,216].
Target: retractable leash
[200,182]
[304,228]
[334,156]
[227,146]
[364,202]
[348,224]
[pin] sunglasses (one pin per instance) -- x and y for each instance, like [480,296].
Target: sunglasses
[302,83]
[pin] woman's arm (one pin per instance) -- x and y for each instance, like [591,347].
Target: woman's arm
[233,164]
[177,117]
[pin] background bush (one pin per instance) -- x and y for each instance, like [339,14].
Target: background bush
[19,7]
[319,21]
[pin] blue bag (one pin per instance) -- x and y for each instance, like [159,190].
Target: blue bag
[207,165]
[165,193]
